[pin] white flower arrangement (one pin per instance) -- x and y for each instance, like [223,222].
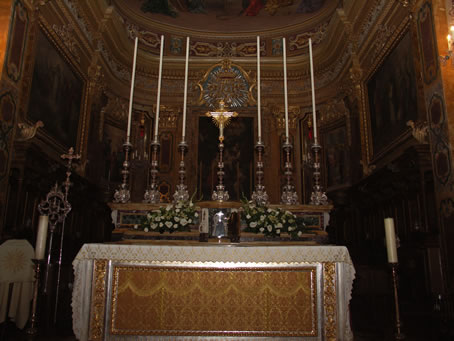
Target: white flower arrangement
[271,222]
[171,218]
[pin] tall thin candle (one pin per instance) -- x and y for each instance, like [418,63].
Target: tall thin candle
[285,89]
[259,119]
[185,98]
[314,114]
[131,95]
[158,100]
[391,246]
[41,237]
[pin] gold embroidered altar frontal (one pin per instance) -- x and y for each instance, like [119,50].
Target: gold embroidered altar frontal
[185,301]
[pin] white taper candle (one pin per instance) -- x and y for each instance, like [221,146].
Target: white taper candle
[285,89]
[390,240]
[158,99]
[259,115]
[131,95]
[185,98]
[314,114]
[41,237]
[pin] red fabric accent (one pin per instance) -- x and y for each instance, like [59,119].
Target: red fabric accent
[254,8]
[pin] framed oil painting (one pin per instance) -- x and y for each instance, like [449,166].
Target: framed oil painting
[336,153]
[56,93]
[238,157]
[392,96]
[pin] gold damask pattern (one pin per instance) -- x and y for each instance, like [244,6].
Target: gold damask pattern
[98,300]
[189,301]
[330,300]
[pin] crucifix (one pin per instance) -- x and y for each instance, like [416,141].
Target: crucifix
[221,118]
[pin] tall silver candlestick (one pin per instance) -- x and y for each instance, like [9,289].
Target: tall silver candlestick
[122,194]
[289,195]
[259,195]
[152,194]
[318,197]
[181,194]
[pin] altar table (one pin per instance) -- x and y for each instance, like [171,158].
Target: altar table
[194,291]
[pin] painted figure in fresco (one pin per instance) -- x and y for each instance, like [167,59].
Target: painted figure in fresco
[196,6]
[159,6]
[309,6]
[272,6]
[253,7]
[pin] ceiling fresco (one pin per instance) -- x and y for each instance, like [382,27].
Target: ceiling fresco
[227,15]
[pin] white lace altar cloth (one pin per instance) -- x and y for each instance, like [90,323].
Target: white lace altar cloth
[209,254]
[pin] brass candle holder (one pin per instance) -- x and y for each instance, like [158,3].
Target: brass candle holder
[399,335]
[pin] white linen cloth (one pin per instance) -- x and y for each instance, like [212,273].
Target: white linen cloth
[83,270]
[16,268]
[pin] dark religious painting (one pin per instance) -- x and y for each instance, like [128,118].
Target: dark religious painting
[113,140]
[336,152]
[238,157]
[392,95]
[56,93]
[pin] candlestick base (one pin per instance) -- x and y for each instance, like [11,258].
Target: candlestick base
[122,194]
[289,196]
[181,194]
[152,196]
[220,194]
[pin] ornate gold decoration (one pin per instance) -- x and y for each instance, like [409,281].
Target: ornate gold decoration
[382,38]
[333,111]
[204,301]
[227,82]
[116,108]
[66,34]
[330,301]
[168,116]
[98,300]
[419,131]
[26,131]
[279,115]
[300,41]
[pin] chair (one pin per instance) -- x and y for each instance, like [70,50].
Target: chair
[16,273]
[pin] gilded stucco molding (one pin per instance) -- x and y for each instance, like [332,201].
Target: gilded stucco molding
[116,108]
[66,34]
[279,116]
[26,131]
[330,300]
[98,302]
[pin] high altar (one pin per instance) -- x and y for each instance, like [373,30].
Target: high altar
[215,282]
[196,291]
